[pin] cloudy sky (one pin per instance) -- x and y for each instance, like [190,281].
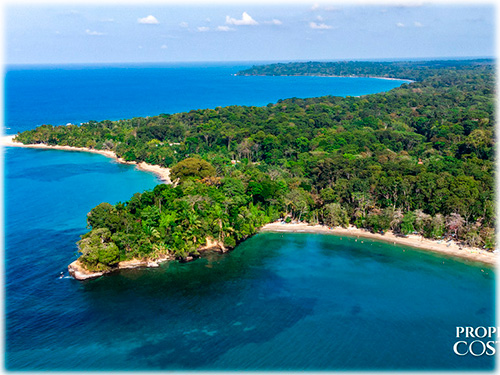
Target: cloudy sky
[63,33]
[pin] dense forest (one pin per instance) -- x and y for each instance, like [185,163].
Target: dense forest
[419,158]
[414,70]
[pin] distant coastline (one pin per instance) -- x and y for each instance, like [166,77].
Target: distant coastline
[324,75]
[162,172]
[451,248]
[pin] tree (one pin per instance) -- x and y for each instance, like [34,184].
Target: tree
[167,220]
[334,215]
[397,220]
[104,215]
[422,220]
[150,216]
[300,201]
[436,227]
[98,251]
[219,218]
[407,224]
[455,223]
[192,168]
[160,249]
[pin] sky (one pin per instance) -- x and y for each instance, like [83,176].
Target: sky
[59,33]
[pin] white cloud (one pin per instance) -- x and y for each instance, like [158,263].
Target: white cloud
[399,24]
[273,22]
[319,26]
[246,19]
[417,24]
[149,20]
[164,46]
[319,18]
[327,8]
[90,32]
[184,24]
[224,28]
[108,20]
[203,29]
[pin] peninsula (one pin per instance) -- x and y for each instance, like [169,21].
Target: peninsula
[417,160]
[162,172]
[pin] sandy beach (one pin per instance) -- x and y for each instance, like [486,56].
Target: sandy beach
[161,172]
[450,248]
[332,76]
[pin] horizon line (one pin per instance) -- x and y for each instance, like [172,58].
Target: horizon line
[271,61]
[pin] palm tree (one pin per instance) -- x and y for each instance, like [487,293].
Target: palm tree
[167,220]
[219,218]
[183,244]
[193,223]
[151,232]
[160,249]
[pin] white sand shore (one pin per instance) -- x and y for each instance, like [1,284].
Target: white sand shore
[450,248]
[162,172]
[333,76]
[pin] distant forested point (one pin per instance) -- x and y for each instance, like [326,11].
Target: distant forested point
[416,159]
[412,70]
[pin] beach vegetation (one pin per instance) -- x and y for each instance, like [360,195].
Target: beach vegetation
[417,159]
[334,215]
[408,222]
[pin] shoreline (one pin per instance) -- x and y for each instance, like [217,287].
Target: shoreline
[161,172]
[451,248]
[325,75]
[78,271]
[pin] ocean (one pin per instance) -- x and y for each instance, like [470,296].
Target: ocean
[277,302]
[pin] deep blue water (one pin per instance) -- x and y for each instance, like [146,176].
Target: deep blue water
[75,94]
[277,302]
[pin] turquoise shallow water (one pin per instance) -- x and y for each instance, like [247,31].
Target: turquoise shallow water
[277,302]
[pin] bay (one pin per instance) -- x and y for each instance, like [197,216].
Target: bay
[58,95]
[277,302]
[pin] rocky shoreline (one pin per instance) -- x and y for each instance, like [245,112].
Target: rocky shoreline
[78,271]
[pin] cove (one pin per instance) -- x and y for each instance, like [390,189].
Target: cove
[277,302]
